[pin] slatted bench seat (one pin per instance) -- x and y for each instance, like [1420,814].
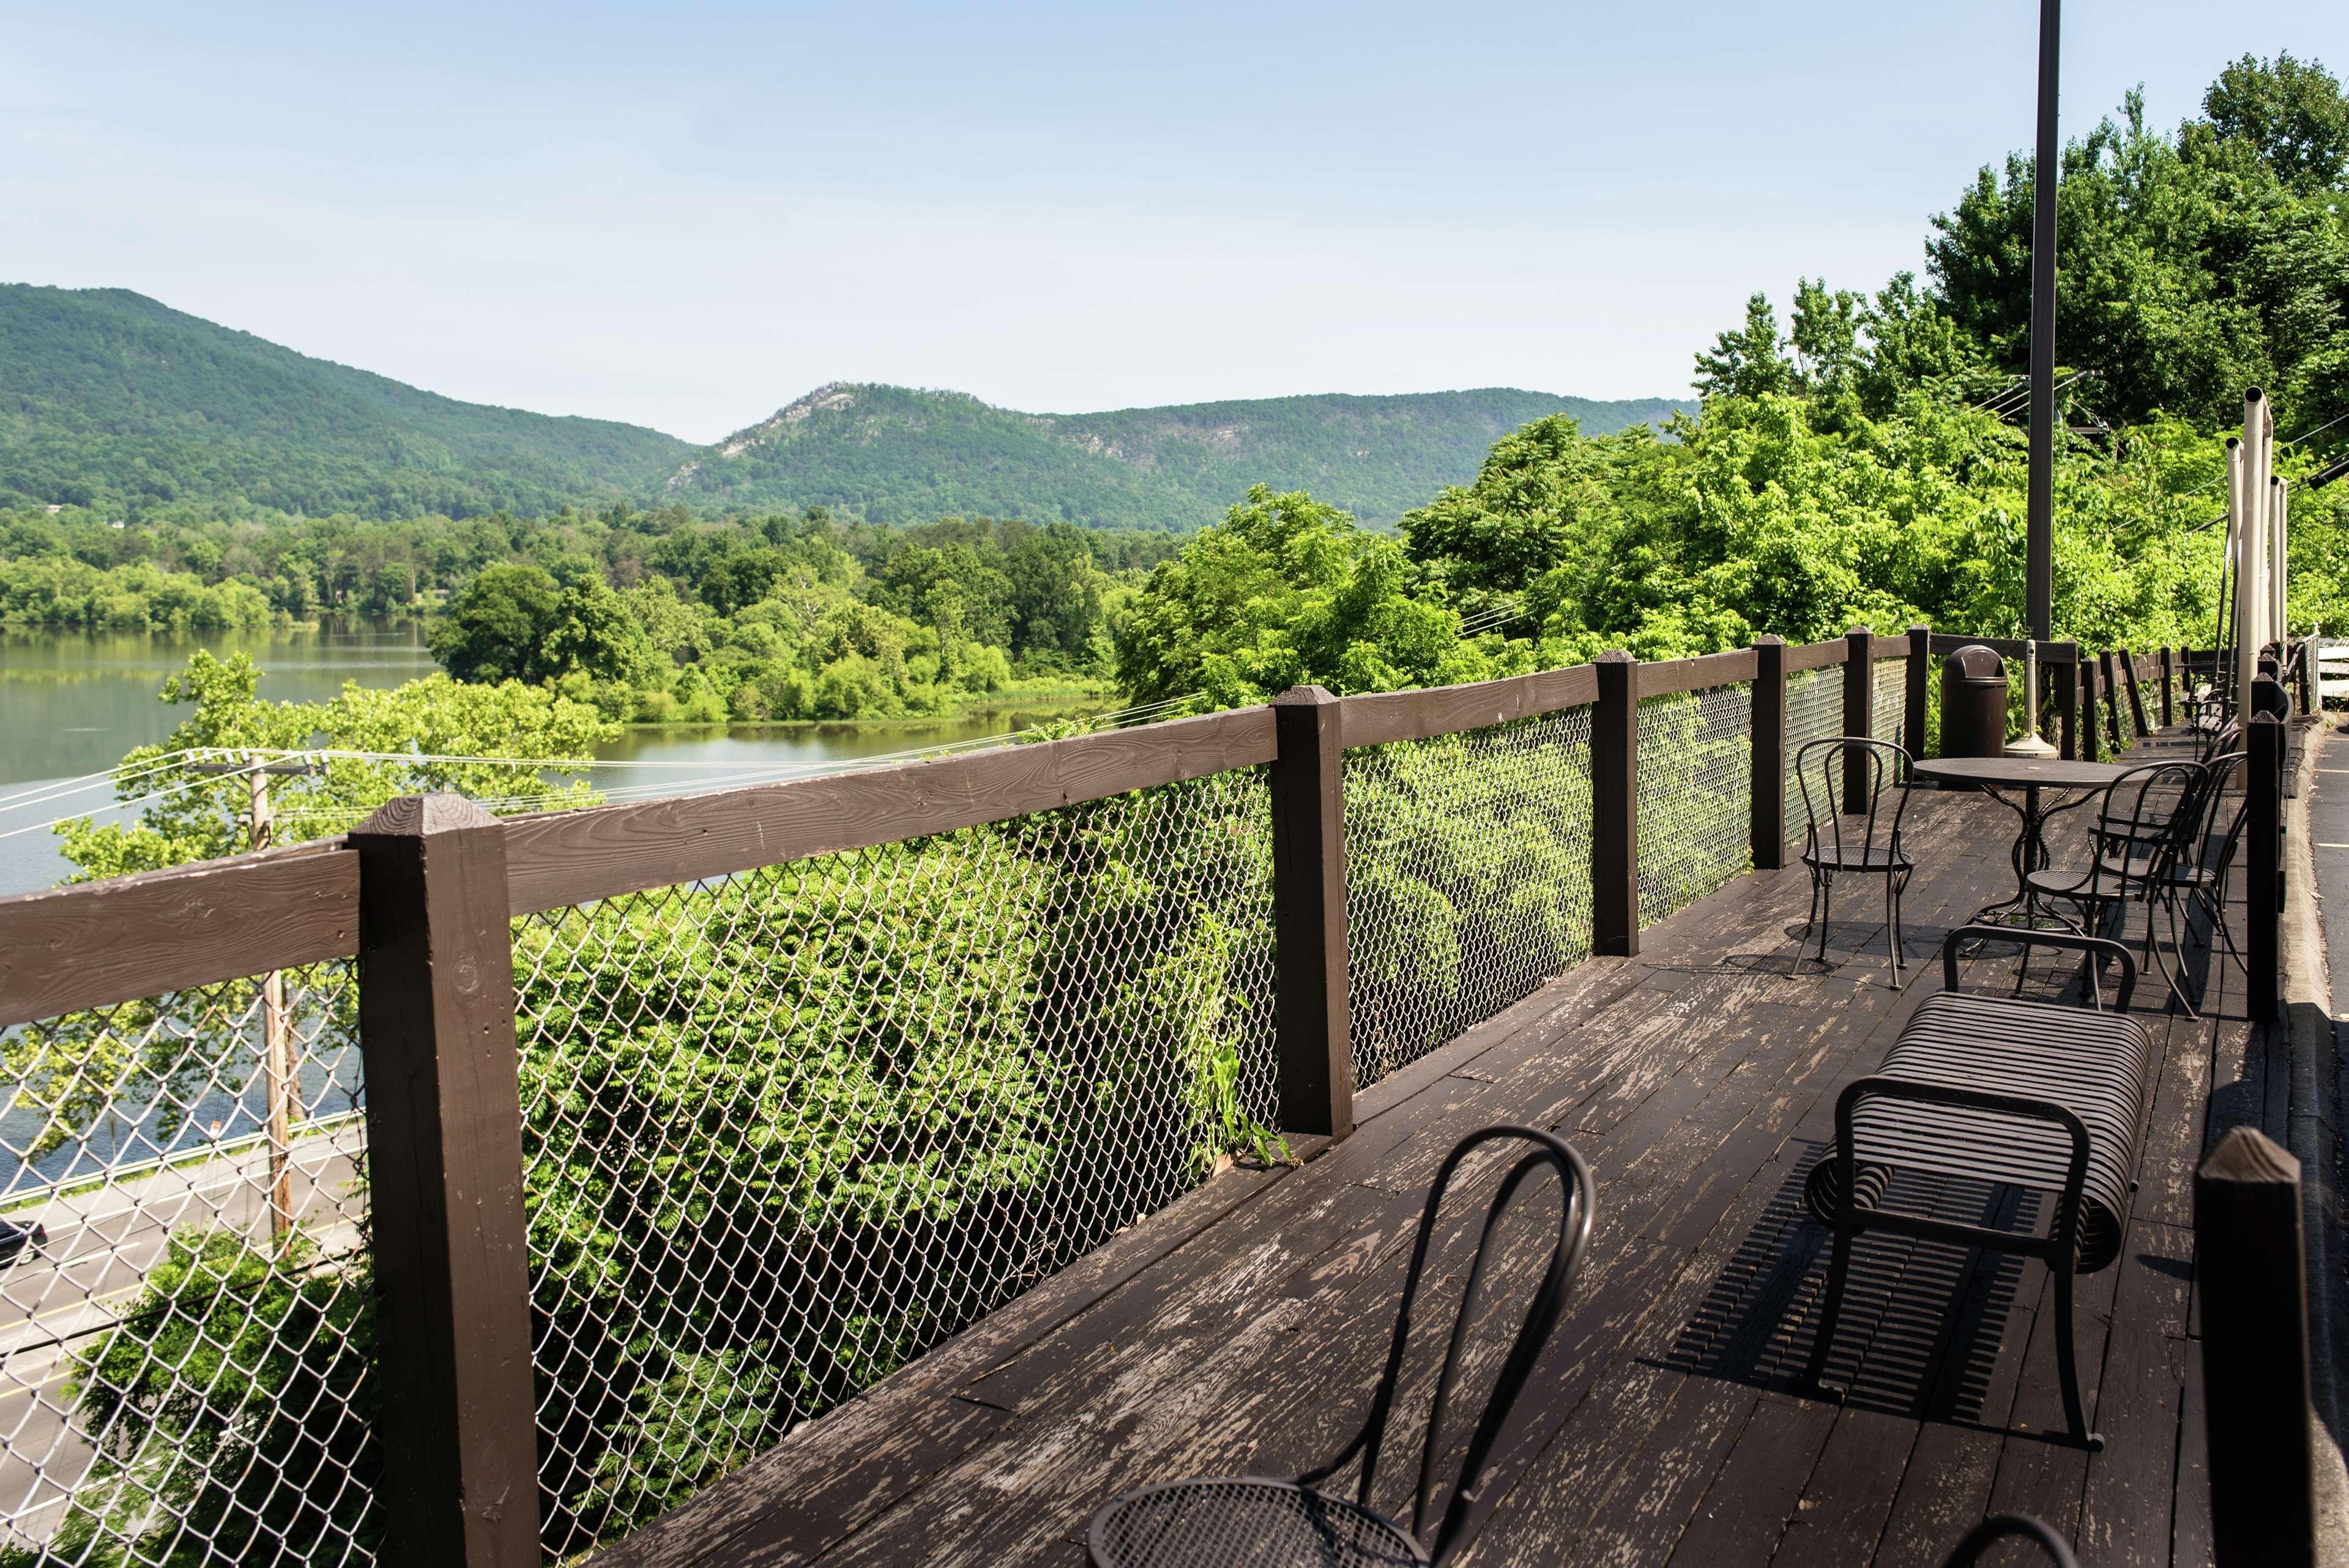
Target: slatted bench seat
[2036,1095]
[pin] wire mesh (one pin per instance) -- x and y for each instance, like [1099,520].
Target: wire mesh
[1813,712]
[1696,782]
[1468,879]
[786,1131]
[1889,702]
[187,1370]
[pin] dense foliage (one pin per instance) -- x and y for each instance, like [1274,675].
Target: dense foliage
[2191,265]
[785,621]
[1868,466]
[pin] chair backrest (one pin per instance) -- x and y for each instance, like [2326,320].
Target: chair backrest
[1575,1199]
[1823,769]
[2220,826]
[1998,1527]
[2147,818]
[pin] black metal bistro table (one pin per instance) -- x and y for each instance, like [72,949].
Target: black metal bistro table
[2016,783]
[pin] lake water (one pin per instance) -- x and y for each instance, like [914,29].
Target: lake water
[71,705]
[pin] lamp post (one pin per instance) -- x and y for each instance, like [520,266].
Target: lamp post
[2040,539]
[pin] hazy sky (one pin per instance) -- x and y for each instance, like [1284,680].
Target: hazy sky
[685,215]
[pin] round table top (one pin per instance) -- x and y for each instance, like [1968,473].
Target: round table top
[1245,1521]
[2021,772]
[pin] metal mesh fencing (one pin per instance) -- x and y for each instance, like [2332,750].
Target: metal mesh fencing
[187,1368]
[1889,702]
[784,1131]
[1813,712]
[1468,879]
[1695,783]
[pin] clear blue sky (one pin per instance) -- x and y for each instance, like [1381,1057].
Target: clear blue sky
[685,215]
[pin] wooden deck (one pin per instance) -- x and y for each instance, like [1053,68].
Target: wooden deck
[1242,1329]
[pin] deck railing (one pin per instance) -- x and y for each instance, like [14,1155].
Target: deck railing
[686,1119]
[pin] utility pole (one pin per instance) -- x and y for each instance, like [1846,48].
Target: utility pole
[2040,537]
[279,1070]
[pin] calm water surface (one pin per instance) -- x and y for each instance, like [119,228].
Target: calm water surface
[72,706]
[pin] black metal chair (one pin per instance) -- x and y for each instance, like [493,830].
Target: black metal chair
[2145,822]
[1861,842]
[1998,1527]
[2035,1095]
[1252,1521]
[2197,875]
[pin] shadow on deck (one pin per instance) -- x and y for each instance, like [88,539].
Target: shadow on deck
[1242,1328]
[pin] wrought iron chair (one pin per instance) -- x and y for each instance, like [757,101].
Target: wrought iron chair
[1220,1521]
[1864,843]
[2147,821]
[2197,875]
[1998,1527]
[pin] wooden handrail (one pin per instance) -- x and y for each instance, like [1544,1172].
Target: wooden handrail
[95,944]
[1815,656]
[563,858]
[1378,717]
[1669,677]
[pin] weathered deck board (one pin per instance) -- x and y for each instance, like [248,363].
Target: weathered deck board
[1244,1329]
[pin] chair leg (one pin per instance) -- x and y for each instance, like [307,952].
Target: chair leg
[1826,911]
[2067,1361]
[1830,1308]
[1812,918]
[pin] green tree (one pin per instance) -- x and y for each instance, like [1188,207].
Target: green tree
[1748,361]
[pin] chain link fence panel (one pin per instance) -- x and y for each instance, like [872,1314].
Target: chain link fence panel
[1695,781]
[1889,701]
[187,1366]
[1813,712]
[1467,880]
[786,1131]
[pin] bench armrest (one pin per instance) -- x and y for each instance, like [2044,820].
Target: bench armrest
[2074,1181]
[2099,946]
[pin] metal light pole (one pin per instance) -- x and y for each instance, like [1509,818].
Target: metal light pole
[2040,540]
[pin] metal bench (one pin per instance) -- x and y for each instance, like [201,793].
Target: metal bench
[2036,1095]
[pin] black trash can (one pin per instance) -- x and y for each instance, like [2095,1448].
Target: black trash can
[1973,703]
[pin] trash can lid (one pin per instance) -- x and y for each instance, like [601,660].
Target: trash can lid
[1974,662]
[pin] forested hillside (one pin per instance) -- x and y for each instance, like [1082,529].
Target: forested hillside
[106,397]
[111,400]
[893,453]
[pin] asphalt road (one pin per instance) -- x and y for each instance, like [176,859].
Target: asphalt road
[102,1242]
[2328,823]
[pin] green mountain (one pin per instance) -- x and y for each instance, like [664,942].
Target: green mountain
[107,395]
[892,453]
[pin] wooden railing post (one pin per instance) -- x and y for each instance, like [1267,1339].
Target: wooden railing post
[436,1010]
[1615,807]
[1858,712]
[2091,743]
[2111,683]
[2169,689]
[1768,811]
[1309,911]
[2135,695]
[2264,865]
[2251,1268]
[2067,704]
[1919,673]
